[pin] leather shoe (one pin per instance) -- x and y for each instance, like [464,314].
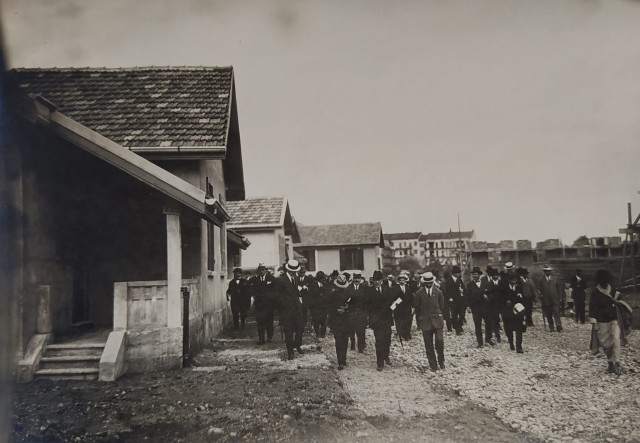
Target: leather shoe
[260,342]
[491,342]
[300,351]
[520,351]
[290,357]
[442,365]
[340,367]
[480,345]
[379,368]
[513,348]
[387,361]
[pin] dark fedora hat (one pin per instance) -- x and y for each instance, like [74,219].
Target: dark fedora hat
[456,269]
[377,275]
[476,270]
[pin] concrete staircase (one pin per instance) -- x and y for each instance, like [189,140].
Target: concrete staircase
[70,361]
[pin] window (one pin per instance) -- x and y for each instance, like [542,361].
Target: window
[223,247]
[310,255]
[211,247]
[352,258]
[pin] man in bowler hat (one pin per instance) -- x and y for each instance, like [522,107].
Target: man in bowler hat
[454,293]
[379,304]
[262,285]
[239,294]
[476,295]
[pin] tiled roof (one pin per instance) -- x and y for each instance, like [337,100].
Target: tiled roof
[339,235]
[140,107]
[402,236]
[257,211]
[446,235]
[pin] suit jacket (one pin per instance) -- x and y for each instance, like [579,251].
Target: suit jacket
[404,308]
[579,293]
[476,297]
[509,299]
[239,293]
[550,292]
[379,307]
[288,299]
[529,291]
[453,291]
[339,319]
[429,309]
[358,298]
[261,291]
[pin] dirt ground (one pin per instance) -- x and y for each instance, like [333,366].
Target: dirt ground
[238,391]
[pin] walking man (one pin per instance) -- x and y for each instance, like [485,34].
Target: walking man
[529,292]
[289,303]
[402,313]
[551,296]
[239,294]
[357,292]
[493,295]
[454,291]
[513,312]
[262,285]
[476,295]
[379,303]
[579,287]
[429,304]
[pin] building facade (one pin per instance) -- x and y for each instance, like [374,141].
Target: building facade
[357,246]
[269,227]
[123,180]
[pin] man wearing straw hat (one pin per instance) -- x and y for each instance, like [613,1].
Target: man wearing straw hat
[429,304]
[289,303]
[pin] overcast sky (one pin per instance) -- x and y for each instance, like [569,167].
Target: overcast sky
[522,116]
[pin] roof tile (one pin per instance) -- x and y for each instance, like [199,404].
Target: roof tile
[122,102]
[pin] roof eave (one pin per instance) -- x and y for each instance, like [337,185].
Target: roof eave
[39,110]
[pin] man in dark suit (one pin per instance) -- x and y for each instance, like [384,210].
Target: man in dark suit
[379,301]
[289,303]
[262,285]
[513,311]
[402,313]
[493,293]
[476,295]
[579,294]
[529,292]
[551,296]
[357,291]
[238,293]
[429,304]
[454,293]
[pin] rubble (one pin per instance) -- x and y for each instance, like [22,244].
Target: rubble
[555,390]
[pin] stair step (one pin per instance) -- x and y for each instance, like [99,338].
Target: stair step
[70,361]
[75,345]
[73,349]
[68,374]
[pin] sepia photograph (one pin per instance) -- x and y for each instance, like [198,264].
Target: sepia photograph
[320,221]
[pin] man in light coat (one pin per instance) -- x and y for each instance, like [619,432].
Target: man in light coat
[429,305]
[551,296]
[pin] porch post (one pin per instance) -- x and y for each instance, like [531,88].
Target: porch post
[174,268]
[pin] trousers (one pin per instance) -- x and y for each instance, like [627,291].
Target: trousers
[429,335]
[383,343]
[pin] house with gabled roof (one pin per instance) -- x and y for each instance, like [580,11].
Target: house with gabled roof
[122,177]
[355,246]
[266,222]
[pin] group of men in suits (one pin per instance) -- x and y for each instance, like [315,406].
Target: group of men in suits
[493,298]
